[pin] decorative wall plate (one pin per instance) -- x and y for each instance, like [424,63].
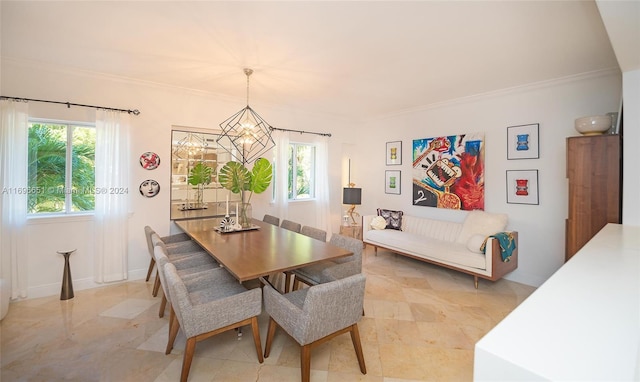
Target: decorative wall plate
[149,188]
[149,160]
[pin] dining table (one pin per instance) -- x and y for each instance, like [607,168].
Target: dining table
[263,250]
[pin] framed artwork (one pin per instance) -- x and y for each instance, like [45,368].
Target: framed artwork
[392,182]
[448,172]
[149,160]
[394,153]
[522,186]
[523,142]
[149,188]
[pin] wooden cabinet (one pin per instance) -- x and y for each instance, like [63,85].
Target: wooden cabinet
[594,172]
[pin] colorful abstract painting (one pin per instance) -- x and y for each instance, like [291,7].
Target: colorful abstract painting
[448,172]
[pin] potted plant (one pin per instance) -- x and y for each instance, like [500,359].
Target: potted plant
[235,177]
[199,176]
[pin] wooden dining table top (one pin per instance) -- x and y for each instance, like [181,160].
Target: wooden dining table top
[260,252]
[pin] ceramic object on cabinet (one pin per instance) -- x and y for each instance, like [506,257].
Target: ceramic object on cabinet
[593,125]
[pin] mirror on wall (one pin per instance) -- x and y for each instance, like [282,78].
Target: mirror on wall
[196,159]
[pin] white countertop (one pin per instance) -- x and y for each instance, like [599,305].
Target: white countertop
[583,323]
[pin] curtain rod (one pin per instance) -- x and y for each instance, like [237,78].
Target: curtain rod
[69,104]
[300,131]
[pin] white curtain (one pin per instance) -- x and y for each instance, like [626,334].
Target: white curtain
[13,185]
[323,215]
[282,168]
[322,207]
[112,206]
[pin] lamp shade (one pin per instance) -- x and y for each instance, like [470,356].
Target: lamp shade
[351,195]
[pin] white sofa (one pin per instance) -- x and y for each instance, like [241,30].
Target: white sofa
[449,244]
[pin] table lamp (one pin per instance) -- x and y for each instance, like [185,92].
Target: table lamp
[352,195]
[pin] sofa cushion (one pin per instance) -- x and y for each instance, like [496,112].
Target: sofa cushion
[393,218]
[431,228]
[378,223]
[481,223]
[420,246]
[474,244]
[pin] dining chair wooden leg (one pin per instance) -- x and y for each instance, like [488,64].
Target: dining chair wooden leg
[305,362]
[256,338]
[355,338]
[189,349]
[152,263]
[173,333]
[287,282]
[163,306]
[156,286]
[296,283]
[172,317]
[270,332]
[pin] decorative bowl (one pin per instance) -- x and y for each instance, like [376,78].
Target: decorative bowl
[593,125]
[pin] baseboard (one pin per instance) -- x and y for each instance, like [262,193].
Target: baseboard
[79,284]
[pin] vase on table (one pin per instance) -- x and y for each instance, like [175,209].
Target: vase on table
[200,196]
[244,218]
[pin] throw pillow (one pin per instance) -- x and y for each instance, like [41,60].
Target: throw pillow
[483,223]
[393,218]
[378,223]
[475,242]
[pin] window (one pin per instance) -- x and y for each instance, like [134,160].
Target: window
[302,164]
[61,173]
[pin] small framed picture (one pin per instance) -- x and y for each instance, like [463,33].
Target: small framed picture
[523,142]
[394,153]
[522,186]
[392,182]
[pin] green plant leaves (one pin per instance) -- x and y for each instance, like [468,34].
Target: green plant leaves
[236,178]
[200,174]
[262,173]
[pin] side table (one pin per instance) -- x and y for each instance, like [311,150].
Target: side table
[354,231]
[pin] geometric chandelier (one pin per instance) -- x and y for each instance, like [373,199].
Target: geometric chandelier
[248,133]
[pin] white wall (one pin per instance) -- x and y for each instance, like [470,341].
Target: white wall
[554,105]
[160,108]
[631,175]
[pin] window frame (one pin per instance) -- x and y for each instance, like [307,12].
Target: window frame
[68,176]
[294,165]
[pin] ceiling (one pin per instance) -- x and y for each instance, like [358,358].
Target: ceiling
[352,59]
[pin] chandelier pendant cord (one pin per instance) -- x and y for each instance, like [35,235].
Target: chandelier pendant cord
[248,72]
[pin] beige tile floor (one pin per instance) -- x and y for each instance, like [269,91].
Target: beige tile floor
[421,323]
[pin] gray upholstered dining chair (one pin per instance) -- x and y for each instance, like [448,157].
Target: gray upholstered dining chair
[271,219]
[314,315]
[182,250]
[169,240]
[209,311]
[291,226]
[315,233]
[335,269]
[189,268]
